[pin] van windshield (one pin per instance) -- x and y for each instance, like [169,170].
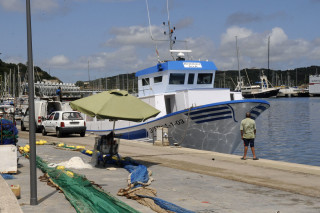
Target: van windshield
[71,116]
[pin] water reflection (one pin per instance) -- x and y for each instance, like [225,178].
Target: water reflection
[289,131]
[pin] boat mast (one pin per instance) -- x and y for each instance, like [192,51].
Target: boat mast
[237,49]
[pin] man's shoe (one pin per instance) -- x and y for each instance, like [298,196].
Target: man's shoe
[255,158]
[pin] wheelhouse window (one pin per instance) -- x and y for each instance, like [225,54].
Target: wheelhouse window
[176,78]
[145,81]
[157,79]
[191,78]
[204,78]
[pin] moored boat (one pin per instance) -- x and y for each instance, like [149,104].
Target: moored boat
[196,114]
[262,90]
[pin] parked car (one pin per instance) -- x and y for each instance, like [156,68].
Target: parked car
[64,122]
[42,109]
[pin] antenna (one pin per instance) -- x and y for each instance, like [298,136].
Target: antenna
[170,32]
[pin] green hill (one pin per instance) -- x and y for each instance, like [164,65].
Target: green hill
[39,73]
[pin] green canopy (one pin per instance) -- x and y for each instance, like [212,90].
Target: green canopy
[115,105]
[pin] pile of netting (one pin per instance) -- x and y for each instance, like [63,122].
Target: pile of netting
[8,132]
[138,181]
[82,194]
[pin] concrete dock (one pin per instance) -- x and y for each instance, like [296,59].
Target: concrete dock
[200,181]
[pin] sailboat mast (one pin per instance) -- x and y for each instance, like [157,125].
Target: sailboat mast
[237,49]
[272,80]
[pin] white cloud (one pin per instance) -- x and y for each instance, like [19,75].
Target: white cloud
[278,36]
[229,36]
[58,60]
[285,53]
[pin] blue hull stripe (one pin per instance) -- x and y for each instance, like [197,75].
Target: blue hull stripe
[201,108]
[261,107]
[256,113]
[207,110]
[213,119]
[142,133]
[209,115]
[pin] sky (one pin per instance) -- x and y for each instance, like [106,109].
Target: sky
[75,40]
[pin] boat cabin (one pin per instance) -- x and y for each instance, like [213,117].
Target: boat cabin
[172,86]
[172,76]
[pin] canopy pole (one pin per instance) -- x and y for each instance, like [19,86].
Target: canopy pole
[114,126]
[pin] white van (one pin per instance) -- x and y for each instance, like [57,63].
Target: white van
[42,109]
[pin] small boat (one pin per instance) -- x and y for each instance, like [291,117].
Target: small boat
[263,89]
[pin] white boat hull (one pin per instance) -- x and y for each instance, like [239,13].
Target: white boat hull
[213,127]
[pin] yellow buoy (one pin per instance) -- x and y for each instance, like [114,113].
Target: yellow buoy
[60,167]
[70,174]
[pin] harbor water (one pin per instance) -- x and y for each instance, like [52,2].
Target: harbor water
[289,131]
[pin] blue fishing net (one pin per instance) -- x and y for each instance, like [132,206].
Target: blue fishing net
[8,132]
[167,205]
[139,173]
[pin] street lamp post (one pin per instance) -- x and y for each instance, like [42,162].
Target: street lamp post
[32,132]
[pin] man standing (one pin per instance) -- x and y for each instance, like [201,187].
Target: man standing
[248,133]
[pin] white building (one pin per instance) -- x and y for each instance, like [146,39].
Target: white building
[314,84]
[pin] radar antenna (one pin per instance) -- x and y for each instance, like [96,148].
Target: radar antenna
[172,40]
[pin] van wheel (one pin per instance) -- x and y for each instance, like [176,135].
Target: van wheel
[82,134]
[23,128]
[59,134]
[44,133]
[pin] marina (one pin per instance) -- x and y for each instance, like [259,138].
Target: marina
[132,113]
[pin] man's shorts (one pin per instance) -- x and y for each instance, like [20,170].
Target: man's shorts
[248,141]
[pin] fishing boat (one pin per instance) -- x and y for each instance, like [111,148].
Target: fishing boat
[262,89]
[196,114]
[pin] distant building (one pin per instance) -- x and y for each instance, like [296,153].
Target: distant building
[314,84]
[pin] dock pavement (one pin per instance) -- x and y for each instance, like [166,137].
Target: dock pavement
[197,180]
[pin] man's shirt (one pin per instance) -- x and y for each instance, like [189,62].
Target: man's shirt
[248,126]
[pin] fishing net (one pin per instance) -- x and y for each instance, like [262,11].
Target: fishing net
[8,132]
[82,194]
[138,182]
[87,197]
